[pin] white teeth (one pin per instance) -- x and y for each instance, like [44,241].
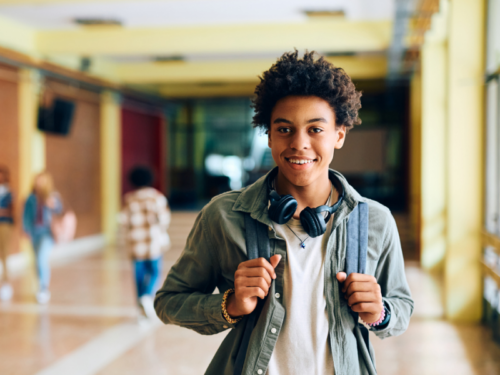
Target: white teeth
[297,161]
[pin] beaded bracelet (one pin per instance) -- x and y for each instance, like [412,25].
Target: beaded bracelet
[228,318]
[382,317]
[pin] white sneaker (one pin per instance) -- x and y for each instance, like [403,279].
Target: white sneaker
[147,305]
[43,296]
[6,292]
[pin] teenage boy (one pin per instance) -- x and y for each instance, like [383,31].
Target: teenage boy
[306,325]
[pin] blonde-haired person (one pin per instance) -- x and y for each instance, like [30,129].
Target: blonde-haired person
[6,225]
[40,206]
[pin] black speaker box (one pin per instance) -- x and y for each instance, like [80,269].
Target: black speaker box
[57,118]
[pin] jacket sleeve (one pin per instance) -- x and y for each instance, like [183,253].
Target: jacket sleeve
[390,274]
[28,216]
[186,297]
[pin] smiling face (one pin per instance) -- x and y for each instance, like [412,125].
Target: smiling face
[303,137]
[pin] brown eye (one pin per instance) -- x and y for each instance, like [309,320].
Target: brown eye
[284,130]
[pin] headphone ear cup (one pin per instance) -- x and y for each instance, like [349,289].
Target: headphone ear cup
[282,210]
[313,223]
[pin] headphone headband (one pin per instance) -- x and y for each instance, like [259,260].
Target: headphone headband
[282,208]
[273,194]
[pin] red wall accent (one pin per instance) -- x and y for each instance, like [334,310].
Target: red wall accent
[142,139]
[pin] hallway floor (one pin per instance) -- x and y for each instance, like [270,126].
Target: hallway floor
[90,327]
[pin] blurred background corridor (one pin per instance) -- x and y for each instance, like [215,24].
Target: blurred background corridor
[91,89]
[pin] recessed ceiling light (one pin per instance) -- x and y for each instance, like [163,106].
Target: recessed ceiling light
[97,22]
[325,13]
[168,58]
[339,53]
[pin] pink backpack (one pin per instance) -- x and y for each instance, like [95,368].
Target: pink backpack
[63,227]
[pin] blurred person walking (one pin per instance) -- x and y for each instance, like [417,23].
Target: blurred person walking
[39,210]
[144,221]
[6,225]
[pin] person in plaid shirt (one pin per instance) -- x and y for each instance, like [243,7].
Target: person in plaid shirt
[144,219]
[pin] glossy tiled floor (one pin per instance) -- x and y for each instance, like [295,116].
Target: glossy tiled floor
[90,327]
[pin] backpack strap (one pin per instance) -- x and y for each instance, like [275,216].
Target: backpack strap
[357,239]
[256,239]
[356,250]
[257,244]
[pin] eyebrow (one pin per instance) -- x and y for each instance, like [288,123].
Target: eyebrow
[280,120]
[319,119]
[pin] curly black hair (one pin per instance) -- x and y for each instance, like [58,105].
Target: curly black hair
[291,75]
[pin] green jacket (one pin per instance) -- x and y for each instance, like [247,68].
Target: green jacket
[215,247]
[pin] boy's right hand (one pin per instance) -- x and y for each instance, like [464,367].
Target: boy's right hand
[252,280]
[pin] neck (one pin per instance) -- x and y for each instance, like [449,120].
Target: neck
[313,195]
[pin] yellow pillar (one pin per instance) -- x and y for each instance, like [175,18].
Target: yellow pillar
[463,290]
[110,164]
[415,154]
[433,143]
[31,141]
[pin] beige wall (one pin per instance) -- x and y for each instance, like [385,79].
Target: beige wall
[465,89]
[452,154]
[434,144]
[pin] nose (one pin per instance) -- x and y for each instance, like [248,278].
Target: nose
[300,141]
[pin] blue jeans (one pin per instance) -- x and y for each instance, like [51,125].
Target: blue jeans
[147,273]
[43,244]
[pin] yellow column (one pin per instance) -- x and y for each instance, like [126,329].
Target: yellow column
[32,142]
[463,291]
[110,164]
[433,143]
[415,154]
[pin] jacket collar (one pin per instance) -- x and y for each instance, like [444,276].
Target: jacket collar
[255,198]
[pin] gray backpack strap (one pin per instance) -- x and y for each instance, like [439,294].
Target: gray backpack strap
[257,244]
[256,239]
[357,247]
[357,239]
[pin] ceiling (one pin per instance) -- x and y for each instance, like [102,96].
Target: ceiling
[222,45]
[59,14]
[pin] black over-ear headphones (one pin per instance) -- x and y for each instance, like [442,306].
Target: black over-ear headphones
[282,208]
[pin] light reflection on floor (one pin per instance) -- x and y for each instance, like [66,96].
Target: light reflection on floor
[93,306]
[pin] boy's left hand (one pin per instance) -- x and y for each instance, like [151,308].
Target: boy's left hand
[363,295]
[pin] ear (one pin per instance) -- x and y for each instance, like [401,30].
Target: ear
[341,133]
[269,142]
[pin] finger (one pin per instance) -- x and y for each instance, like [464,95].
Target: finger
[252,292]
[357,277]
[363,297]
[275,259]
[259,262]
[253,272]
[360,286]
[250,282]
[341,276]
[366,307]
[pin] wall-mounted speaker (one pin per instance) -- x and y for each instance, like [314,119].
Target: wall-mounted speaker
[58,118]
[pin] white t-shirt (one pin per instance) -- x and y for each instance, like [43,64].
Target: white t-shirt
[303,345]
